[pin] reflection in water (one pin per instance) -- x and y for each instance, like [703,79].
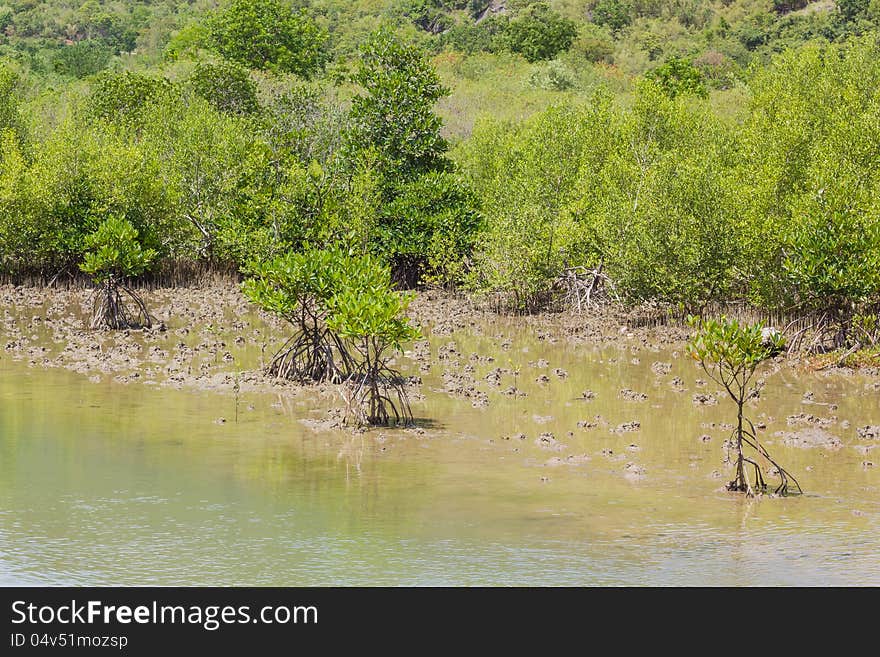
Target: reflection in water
[133,484]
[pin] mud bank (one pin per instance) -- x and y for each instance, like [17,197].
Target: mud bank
[209,337]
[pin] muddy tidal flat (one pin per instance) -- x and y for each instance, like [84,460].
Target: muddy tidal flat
[548,450]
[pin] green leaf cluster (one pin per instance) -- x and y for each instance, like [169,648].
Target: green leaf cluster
[394,115]
[226,85]
[352,293]
[678,76]
[539,33]
[735,348]
[270,36]
[113,251]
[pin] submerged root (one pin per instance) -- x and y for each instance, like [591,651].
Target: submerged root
[377,399]
[741,481]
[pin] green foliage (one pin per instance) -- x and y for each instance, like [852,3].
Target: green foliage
[430,15]
[429,227]
[285,284]
[553,75]
[594,46]
[730,353]
[646,193]
[346,317]
[353,291]
[851,10]
[425,217]
[187,41]
[226,85]
[10,111]
[831,261]
[300,123]
[660,211]
[113,251]
[20,242]
[123,96]
[811,141]
[678,77]
[527,174]
[719,71]
[216,171]
[613,14]
[784,6]
[764,191]
[733,350]
[471,38]
[539,33]
[367,308]
[83,58]
[395,114]
[269,35]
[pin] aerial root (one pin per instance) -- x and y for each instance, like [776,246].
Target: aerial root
[741,482]
[378,399]
[111,308]
[310,357]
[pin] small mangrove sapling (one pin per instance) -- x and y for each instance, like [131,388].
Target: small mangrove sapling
[730,353]
[296,287]
[114,256]
[348,322]
[369,315]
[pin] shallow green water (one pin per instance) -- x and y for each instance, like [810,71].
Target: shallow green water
[107,483]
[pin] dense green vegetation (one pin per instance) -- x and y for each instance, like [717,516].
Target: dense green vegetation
[681,154]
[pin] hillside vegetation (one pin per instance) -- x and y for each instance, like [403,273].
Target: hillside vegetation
[679,153]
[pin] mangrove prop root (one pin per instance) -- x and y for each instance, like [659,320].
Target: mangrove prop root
[376,398]
[311,356]
[741,482]
[112,308]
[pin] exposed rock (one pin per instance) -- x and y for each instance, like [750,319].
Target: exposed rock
[628,427]
[661,369]
[548,441]
[632,395]
[810,420]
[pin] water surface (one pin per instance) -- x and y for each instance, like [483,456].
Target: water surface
[134,484]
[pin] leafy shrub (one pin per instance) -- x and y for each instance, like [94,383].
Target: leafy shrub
[679,77]
[613,14]
[348,322]
[594,46]
[226,85]
[395,116]
[268,35]
[470,38]
[539,33]
[123,96]
[851,10]
[553,75]
[730,353]
[113,251]
[428,230]
[82,58]
[113,255]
